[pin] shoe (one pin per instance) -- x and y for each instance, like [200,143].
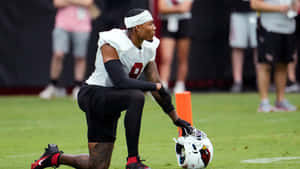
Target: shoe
[48,92]
[51,91]
[75,92]
[293,88]
[236,88]
[137,165]
[179,87]
[60,92]
[285,106]
[48,159]
[266,108]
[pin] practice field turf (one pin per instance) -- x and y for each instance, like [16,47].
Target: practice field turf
[237,131]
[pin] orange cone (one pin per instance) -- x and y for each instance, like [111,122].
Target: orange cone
[184,107]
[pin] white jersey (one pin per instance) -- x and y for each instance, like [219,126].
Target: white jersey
[133,59]
[278,22]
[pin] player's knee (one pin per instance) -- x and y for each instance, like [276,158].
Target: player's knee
[80,59]
[281,66]
[58,56]
[137,96]
[166,60]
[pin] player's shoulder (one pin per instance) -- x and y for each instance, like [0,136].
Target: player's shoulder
[114,31]
[152,44]
[117,38]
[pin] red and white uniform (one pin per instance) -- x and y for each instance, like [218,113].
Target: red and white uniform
[133,59]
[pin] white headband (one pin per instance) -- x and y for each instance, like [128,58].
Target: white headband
[139,19]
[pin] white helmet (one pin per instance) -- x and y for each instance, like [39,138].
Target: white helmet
[194,151]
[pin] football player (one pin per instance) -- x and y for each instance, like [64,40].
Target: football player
[113,87]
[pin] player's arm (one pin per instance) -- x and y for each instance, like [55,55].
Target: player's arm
[163,97]
[260,5]
[118,76]
[61,3]
[65,3]
[84,3]
[164,8]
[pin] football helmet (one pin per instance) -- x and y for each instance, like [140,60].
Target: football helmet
[194,151]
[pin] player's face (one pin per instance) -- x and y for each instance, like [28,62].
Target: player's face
[147,30]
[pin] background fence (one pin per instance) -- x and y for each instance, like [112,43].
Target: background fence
[25,43]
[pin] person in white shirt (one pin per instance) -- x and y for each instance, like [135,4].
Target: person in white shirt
[276,46]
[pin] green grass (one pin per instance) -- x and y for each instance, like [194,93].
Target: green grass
[237,131]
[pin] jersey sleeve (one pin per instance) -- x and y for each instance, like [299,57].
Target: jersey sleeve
[115,38]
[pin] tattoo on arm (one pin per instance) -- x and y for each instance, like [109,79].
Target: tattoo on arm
[151,74]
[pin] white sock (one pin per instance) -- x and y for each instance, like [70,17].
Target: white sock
[165,84]
[265,101]
[179,83]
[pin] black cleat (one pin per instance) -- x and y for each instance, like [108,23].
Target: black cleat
[137,165]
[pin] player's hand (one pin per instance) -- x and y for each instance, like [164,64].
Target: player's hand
[186,126]
[284,8]
[158,86]
[185,6]
[295,5]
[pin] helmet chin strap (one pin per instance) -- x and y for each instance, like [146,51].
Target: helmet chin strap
[193,132]
[185,130]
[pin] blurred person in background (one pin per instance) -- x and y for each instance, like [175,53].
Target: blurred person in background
[112,13]
[176,16]
[72,24]
[292,83]
[276,45]
[242,34]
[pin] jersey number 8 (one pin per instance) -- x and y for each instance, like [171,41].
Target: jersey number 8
[136,70]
